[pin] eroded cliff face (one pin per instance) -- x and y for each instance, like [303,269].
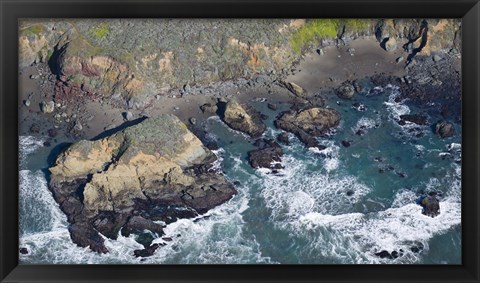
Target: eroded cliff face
[134,60]
[157,170]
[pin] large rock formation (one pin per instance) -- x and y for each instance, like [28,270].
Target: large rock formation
[267,155]
[309,123]
[155,170]
[241,118]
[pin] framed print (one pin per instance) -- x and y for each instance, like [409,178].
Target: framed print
[239,141]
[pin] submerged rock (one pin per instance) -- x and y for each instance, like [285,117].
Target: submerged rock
[241,118]
[283,138]
[414,118]
[444,129]
[309,123]
[149,171]
[346,91]
[267,156]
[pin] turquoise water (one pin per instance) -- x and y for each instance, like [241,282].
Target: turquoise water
[336,206]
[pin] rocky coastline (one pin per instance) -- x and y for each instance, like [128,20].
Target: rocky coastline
[126,127]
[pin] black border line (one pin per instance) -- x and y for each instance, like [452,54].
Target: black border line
[11,11]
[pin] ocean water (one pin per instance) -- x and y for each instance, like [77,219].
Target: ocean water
[335,206]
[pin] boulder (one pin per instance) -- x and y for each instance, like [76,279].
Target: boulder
[209,108]
[346,90]
[272,106]
[391,44]
[144,173]
[309,123]
[47,107]
[267,156]
[444,129]
[295,89]
[430,205]
[283,138]
[241,118]
[414,118]
[147,251]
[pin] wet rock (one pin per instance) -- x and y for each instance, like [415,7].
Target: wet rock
[283,138]
[209,108]
[384,254]
[263,116]
[309,123]
[147,251]
[267,156]
[100,184]
[47,107]
[413,118]
[430,205]
[34,129]
[138,224]
[23,251]
[52,133]
[346,90]
[444,129]
[167,239]
[346,143]
[272,106]
[241,118]
[47,143]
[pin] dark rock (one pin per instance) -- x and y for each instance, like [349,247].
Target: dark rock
[269,152]
[52,133]
[346,143]
[47,143]
[414,118]
[430,205]
[394,254]
[384,254]
[309,123]
[147,251]
[444,129]
[350,193]
[209,108]
[272,106]
[241,118]
[167,239]
[263,116]
[34,129]
[137,224]
[85,236]
[283,138]
[23,251]
[346,90]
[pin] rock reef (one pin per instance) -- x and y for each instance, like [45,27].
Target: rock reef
[156,170]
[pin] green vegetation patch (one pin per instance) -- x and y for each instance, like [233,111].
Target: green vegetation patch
[101,31]
[34,30]
[312,32]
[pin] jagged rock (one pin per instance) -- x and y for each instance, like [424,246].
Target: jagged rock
[267,156]
[138,224]
[147,170]
[430,205]
[23,251]
[414,118]
[346,143]
[309,123]
[346,90]
[444,129]
[283,138]
[241,118]
[209,108]
[47,107]
[295,89]
[147,251]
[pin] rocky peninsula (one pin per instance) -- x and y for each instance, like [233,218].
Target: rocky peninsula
[122,104]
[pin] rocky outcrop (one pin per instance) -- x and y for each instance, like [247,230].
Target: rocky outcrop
[155,170]
[268,155]
[346,90]
[413,118]
[430,205]
[444,129]
[309,123]
[241,118]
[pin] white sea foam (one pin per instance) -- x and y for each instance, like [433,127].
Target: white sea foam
[26,146]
